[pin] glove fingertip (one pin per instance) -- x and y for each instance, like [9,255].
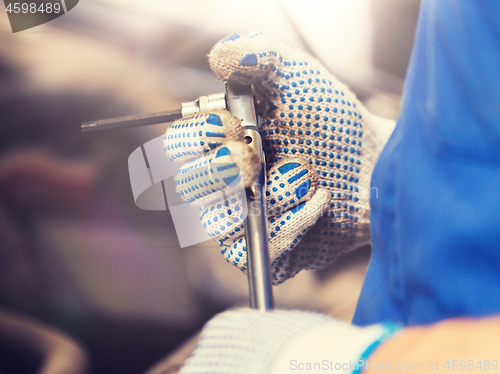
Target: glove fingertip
[192,136]
[244,59]
[247,160]
[323,199]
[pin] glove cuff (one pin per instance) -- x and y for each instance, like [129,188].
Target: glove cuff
[335,346]
[248,341]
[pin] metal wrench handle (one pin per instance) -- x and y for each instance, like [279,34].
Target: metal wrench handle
[239,99]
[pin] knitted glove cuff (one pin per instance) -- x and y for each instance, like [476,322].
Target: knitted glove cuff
[247,341]
[334,346]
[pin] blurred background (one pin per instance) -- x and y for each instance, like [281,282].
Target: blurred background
[76,254]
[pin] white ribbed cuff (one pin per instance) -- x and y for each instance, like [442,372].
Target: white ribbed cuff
[335,347]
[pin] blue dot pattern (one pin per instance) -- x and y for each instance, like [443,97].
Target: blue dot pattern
[194,136]
[197,180]
[224,218]
[288,195]
[312,116]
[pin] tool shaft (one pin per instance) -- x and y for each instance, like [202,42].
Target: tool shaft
[240,103]
[202,104]
[132,121]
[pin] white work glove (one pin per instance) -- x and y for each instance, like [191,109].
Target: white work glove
[320,144]
[247,341]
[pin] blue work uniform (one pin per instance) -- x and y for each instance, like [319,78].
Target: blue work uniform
[435,223]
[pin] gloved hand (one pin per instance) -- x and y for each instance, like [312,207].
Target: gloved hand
[320,144]
[248,341]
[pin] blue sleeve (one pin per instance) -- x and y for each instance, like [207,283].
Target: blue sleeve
[436,222]
[452,85]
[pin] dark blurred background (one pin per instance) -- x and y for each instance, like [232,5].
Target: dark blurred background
[76,253]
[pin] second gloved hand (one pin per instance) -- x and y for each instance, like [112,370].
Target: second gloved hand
[320,144]
[247,341]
